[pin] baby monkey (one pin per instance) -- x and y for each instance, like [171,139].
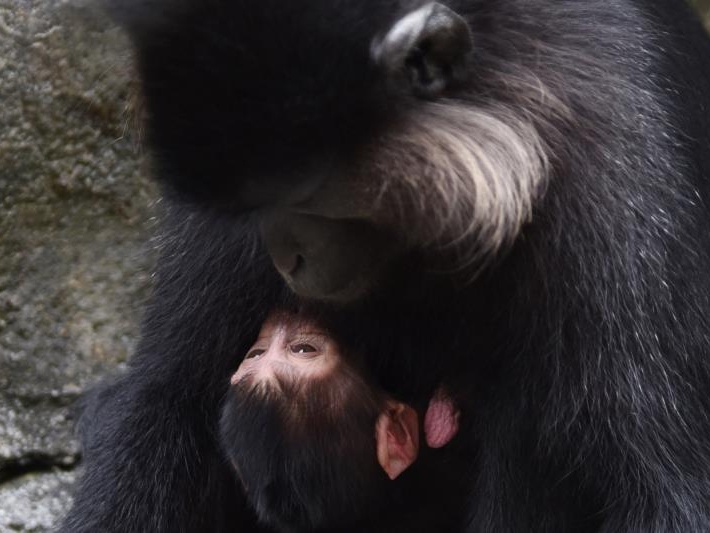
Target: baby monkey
[317,445]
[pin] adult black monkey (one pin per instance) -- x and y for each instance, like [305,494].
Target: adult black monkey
[399,149]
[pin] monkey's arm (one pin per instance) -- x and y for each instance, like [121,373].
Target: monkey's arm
[151,456]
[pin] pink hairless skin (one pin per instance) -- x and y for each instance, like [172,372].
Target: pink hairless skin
[441,421]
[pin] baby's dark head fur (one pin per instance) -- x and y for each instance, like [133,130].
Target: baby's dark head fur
[304,449]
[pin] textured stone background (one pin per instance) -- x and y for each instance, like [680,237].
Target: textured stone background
[75,258]
[74,228]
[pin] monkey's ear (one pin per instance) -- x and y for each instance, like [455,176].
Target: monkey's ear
[427,50]
[397,435]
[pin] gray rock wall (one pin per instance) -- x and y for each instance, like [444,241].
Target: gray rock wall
[74,228]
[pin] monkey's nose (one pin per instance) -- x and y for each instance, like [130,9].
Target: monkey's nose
[288,264]
[285,249]
[237,376]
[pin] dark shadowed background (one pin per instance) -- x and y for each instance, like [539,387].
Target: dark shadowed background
[75,255]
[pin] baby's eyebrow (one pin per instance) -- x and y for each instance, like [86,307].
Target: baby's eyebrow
[261,338]
[309,334]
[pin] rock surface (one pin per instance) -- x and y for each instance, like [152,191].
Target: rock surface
[74,226]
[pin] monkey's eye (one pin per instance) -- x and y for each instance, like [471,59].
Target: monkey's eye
[255,354]
[303,348]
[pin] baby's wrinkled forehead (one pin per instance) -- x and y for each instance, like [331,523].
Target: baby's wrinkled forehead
[289,346]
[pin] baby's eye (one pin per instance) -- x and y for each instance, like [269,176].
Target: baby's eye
[255,354]
[303,348]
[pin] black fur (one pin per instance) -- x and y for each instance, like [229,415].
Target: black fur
[584,352]
[308,459]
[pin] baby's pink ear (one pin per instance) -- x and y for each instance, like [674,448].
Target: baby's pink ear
[397,435]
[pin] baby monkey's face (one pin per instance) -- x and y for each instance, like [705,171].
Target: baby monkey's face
[314,442]
[295,348]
